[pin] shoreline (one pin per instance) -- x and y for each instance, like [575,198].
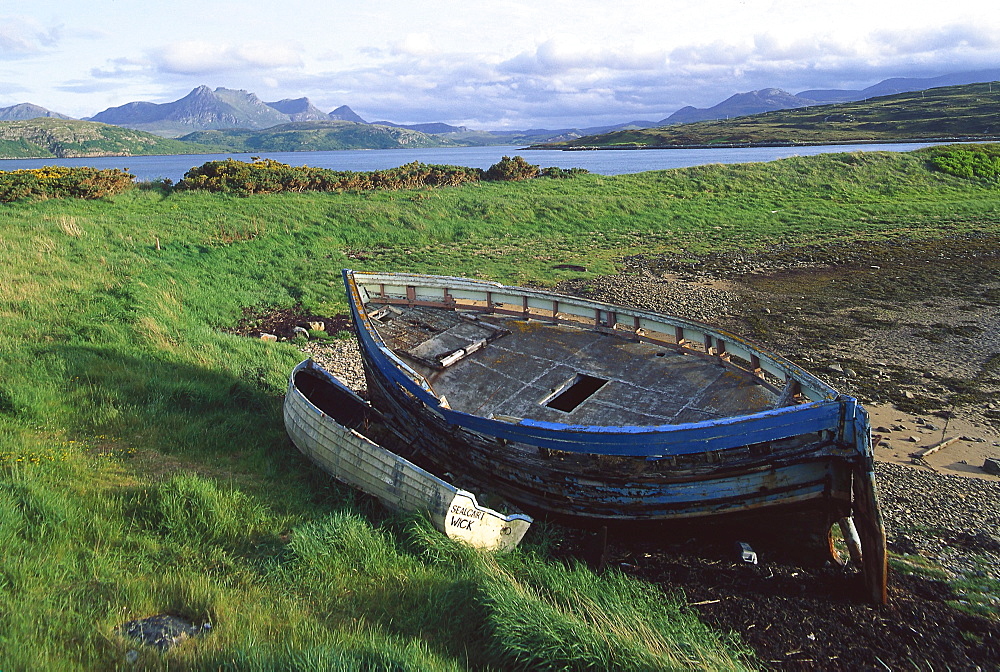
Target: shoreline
[756,145]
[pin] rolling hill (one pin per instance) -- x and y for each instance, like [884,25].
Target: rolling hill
[970,111]
[51,137]
[317,136]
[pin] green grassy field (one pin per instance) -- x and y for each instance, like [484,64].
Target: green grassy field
[144,467]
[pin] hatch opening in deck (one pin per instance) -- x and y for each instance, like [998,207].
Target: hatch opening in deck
[575,393]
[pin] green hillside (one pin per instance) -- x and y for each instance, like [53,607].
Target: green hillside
[46,138]
[971,111]
[317,136]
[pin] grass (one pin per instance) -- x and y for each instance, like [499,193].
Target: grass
[144,467]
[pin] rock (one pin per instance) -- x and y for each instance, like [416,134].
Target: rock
[992,466]
[914,439]
[835,368]
[908,394]
[268,337]
[317,326]
[850,373]
[882,429]
[299,331]
[162,631]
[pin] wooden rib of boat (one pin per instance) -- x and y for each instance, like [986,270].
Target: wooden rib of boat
[332,426]
[601,413]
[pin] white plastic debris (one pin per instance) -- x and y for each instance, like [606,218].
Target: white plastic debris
[747,554]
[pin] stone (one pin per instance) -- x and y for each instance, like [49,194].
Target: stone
[835,368]
[299,331]
[317,326]
[162,631]
[908,394]
[268,337]
[992,466]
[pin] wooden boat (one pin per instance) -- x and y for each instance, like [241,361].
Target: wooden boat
[331,425]
[602,414]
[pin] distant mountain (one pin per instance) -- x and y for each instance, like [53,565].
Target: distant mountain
[254,112]
[314,136]
[740,105]
[344,113]
[52,137]
[202,108]
[27,111]
[434,127]
[887,87]
[770,100]
[205,109]
[299,109]
[540,135]
[967,112]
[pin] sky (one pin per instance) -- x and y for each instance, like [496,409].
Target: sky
[502,64]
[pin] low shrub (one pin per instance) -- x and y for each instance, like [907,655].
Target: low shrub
[267,176]
[63,182]
[562,173]
[508,170]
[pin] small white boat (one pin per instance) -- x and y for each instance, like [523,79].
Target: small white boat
[331,425]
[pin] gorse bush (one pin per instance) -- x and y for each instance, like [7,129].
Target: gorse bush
[508,169]
[63,182]
[266,176]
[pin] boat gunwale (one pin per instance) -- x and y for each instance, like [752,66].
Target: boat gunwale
[831,412]
[781,365]
[313,368]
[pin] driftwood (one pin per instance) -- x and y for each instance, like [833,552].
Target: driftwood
[933,449]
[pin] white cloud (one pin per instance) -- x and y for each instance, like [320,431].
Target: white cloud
[516,62]
[201,57]
[23,36]
[415,44]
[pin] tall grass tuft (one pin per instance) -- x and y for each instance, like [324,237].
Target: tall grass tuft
[196,509]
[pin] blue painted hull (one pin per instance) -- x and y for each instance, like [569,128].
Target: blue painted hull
[814,456]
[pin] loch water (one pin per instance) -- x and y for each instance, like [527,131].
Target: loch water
[604,162]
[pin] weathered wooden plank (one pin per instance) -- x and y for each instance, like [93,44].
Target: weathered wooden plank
[935,448]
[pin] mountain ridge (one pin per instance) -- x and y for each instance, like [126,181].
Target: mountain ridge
[205,109]
[739,105]
[25,111]
[968,112]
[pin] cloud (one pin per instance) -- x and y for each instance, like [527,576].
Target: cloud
[414,44]
[123,68]
[22,36]
[564,82]
[415,72]
[87,86]
[200,57]
[563,55]
[944,39]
